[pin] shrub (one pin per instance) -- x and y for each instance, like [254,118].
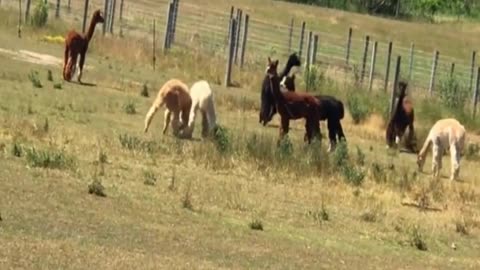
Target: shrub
[353,175]
[452,94]
[340,156]
[49,75]
[187,199]
[416,239]
[314,78]
[17,150]
[221,139]
[285,148]
[40,14]
[33,77]
[133,143]
[472,151]
[57,86]
[150,178]
[358,107]
[130,108]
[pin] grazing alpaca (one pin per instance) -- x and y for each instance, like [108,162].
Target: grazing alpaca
[77,44]
[292,66]
[444,133]
[292,105]
[202,99]
[403,117]
[174,94]
[331,109]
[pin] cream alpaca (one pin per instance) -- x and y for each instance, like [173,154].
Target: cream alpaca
[174,94]
[444,133]
[202,99]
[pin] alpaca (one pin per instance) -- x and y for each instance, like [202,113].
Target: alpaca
[202,99]
[403,117]
[331,109]
[289,71]
[174,94]
[292,105]
[77,44]
[445,133]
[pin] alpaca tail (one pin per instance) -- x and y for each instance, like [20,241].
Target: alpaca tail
[151,112]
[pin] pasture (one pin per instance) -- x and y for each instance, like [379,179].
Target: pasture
[234,202]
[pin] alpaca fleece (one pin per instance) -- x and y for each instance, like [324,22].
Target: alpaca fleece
[202,100]
[445,133]
[176,98]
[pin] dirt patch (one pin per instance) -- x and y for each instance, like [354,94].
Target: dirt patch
[33,57]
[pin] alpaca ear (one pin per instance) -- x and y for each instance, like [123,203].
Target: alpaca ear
[276,63]
[269,60]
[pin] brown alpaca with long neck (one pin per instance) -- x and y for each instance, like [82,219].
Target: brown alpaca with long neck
[77,44]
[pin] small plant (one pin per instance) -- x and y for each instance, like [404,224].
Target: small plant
[256,225]
[17,150]
[314,78]
[221,139]
[461,227]
[133,143]
[33,77]
[130,108]
[416,239]
[171,186]
[360,157]
[40,14]
[187,199]
[29,109]
[144,92]
[358,107]
[46,126]
[353,175]
[340,156]
[472,151]
[49,76]
[96,188]
[321,215]
[150,178]
[52,159]
[102,157]
[452,94]
[57,86]
[285,148]
[373,213]
[378,173]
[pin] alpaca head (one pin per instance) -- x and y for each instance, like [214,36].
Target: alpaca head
[98,16]
[272,68]
[402,88]
[293,61]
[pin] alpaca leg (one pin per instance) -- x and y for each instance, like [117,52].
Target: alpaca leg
[65,61]
[455,157]
[176,123]
[82,62]
[436,158]
[332,132]
[284,127]
[205,125]
[166,118]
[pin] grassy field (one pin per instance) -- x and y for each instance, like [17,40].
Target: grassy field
[177,204]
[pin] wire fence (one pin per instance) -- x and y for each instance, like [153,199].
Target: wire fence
[208,29]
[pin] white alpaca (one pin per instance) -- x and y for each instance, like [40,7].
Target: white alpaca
[202,99]
[444,133]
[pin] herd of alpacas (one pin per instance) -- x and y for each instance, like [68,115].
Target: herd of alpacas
[278,95]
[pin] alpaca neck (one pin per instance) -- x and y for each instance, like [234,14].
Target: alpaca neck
[275,88]
[91,30]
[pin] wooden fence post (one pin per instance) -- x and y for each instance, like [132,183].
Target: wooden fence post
[27,10]
[19,31]
[57,10]
[475,94]
[349,45]
[372,66]
[228,73]
[452,69]
[154,58]
[105,16]
[290,36]
[85,13]
[166,44]
[395,84]
[313,55]
[112,15]
[176,3]
[308,58]
[410,69]
[387,72]
[472,74]
[244,40]
[434,70]
[121,17]
[302,36]
[237,35]
[227,40]
[364,60]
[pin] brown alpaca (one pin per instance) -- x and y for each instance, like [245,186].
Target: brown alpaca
[175,95]
[77,44]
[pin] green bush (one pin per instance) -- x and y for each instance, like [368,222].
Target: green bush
[222,139]
[40,14]
[452,94]
[52,159]
[358,106]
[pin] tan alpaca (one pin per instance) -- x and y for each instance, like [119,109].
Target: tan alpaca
[444,133]
[174,94]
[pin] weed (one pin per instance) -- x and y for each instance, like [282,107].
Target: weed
[472,151]
[49,76]
[378,173]
[102,157]
[144,92]
[221,139]
[417,239]
[171,186]
[314,78]
[133,143]
[187,199]
[353,175]
[285,148]
[452,94]
[360,157]
[461,226]
[96,188]
[46,126]
[358,107]
[17,150]
[57,86]
[29,109]
[130,108]
[150,178]
[321,215]
[340,155]
[256,225]
[39,17]
[33,77]
[52,159]
[373,213]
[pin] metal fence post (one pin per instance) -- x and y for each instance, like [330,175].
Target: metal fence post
[228,73]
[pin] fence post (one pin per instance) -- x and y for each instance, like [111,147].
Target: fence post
[69,7]
[27,10]
[474,55]
[166,44]
[57,10]
[105,16]
[112,15]
[308,59]
[372,65]
[154,50]
[313,55]
[231,48]
[290,36]
[121,18]
[244,40]
[389,58]
[475,94]
[227,40]
[452,69]
[410,69]
[434,70]
[237,35]
[365,55]
[19,31]
[302,36]
[349,45]
[85,12]
[395,84]
[176,3]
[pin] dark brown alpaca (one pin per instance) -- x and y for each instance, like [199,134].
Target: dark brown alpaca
[402,117]
[292,105]
[77,44]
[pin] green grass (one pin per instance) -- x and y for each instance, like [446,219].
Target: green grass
[207,193]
